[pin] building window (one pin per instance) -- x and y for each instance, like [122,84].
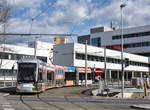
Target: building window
[140,44]
[131,35]
[96,42]
[6,72]
[11,56]
[133,45]
[81,56]
[44,59]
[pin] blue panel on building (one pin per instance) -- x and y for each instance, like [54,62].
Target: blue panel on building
[70,69]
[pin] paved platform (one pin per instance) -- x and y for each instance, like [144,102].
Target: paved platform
[4,104]
[142,106]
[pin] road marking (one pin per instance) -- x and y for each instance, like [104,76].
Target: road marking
[9,109]
[7,105]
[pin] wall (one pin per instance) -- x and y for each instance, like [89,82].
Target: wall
[63,54]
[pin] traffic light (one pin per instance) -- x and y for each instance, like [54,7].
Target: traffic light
[127,62]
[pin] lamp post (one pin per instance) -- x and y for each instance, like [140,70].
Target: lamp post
[86,63]
[122,61]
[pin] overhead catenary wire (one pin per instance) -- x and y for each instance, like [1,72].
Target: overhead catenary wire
[74,27]
[37,34]
[38,15]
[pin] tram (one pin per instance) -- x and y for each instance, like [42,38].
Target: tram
[34,76]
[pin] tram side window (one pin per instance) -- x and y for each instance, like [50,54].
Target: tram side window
[49,76]
[89,77]
[40,77]
[82,76]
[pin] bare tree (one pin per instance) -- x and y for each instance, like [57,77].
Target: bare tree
[4,17]
[4,11]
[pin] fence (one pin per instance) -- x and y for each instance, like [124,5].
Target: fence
[7,81]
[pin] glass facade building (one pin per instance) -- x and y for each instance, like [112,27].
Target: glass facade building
[96,42]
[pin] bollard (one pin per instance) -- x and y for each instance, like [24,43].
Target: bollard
[145,88]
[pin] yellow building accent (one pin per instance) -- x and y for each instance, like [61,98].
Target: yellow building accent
[60,40]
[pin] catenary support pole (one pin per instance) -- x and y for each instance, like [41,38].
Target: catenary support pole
[86,63]
[122,60]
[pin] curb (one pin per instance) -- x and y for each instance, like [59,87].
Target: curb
[145,107]
[5,95]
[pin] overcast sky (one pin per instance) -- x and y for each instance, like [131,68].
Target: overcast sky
[72,16]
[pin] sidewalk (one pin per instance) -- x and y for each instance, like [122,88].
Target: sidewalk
[142,106]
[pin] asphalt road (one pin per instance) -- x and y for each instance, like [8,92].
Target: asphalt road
[67,98]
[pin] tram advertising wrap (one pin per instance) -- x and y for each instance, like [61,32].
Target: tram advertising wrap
[59,71]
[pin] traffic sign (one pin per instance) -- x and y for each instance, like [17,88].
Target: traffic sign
[98,78]
[99,71]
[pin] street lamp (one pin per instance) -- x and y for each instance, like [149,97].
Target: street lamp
[122,62]
[86,63]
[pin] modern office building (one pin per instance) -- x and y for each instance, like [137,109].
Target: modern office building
[136,39]
[82,39]
[73,54]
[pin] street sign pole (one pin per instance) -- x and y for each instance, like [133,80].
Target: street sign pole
[105,71]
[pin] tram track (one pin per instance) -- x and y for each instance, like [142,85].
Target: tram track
[86,100]
[40,100]
[99,104]
[67,99]
[53,105]
[82,97]
[26,104]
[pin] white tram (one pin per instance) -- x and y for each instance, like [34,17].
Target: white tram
[35,76]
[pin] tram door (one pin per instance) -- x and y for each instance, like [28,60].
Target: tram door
[50,78]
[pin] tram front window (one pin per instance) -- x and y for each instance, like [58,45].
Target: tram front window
[26,72]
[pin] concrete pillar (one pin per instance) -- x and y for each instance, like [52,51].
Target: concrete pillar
[126,82]
[118,78]
[77,78]
[12,81]
[110,78]
[106,78]
[126,76]
[132,74]
[109,74]
[141,74]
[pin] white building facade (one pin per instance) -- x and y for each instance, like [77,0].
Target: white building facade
[10,54]
[73,54]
